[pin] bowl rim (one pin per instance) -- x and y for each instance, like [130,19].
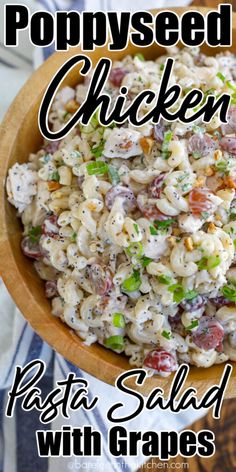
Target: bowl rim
[99,362]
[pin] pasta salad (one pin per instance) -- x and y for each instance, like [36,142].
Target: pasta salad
[133,229]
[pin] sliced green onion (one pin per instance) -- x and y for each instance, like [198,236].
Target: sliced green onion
[164,279]
[196,155]
[153,231]
[217,134]
[178,295]
[166,334]
[197,129]
[183,177]
[145,261]
[213,261]
[34,233]
[194,324]
[210,91]
[235,244]
[164,224]
[174,287]
[230,230]
[209,263]
[113,175]
[98,150]
[97,168]
[73,237]
[135,249]
[167,137]
[162,67]
[205,215]
[115,342]
[190,295]
[186,187]
[202,264]
[132,283]
[92,124]
[165,146]
[136,228]
[140,56]
[222,166]
[178,292]
[54,176]
[220,76]
[231,86]
[229,293]
[65,116]
[90,128]
[118,320]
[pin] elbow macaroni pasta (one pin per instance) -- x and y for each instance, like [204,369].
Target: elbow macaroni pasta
[133,229]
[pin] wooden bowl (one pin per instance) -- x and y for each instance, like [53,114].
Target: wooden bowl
[19,135]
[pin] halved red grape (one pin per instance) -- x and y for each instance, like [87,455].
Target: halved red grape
[228,145]
[209,334]
[220,301]
[121,191]
[101,279]
[50,227]
[158,133]
[199,201]
[51,288]
[31,249]
[52,146]
[201,144]
[176,322]
[116,76]
[155,187]
[230,127]
[161,361]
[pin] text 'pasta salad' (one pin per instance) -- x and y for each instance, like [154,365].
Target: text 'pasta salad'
[133,230]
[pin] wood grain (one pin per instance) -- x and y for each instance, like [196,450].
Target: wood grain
[224,460]
[213,3]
